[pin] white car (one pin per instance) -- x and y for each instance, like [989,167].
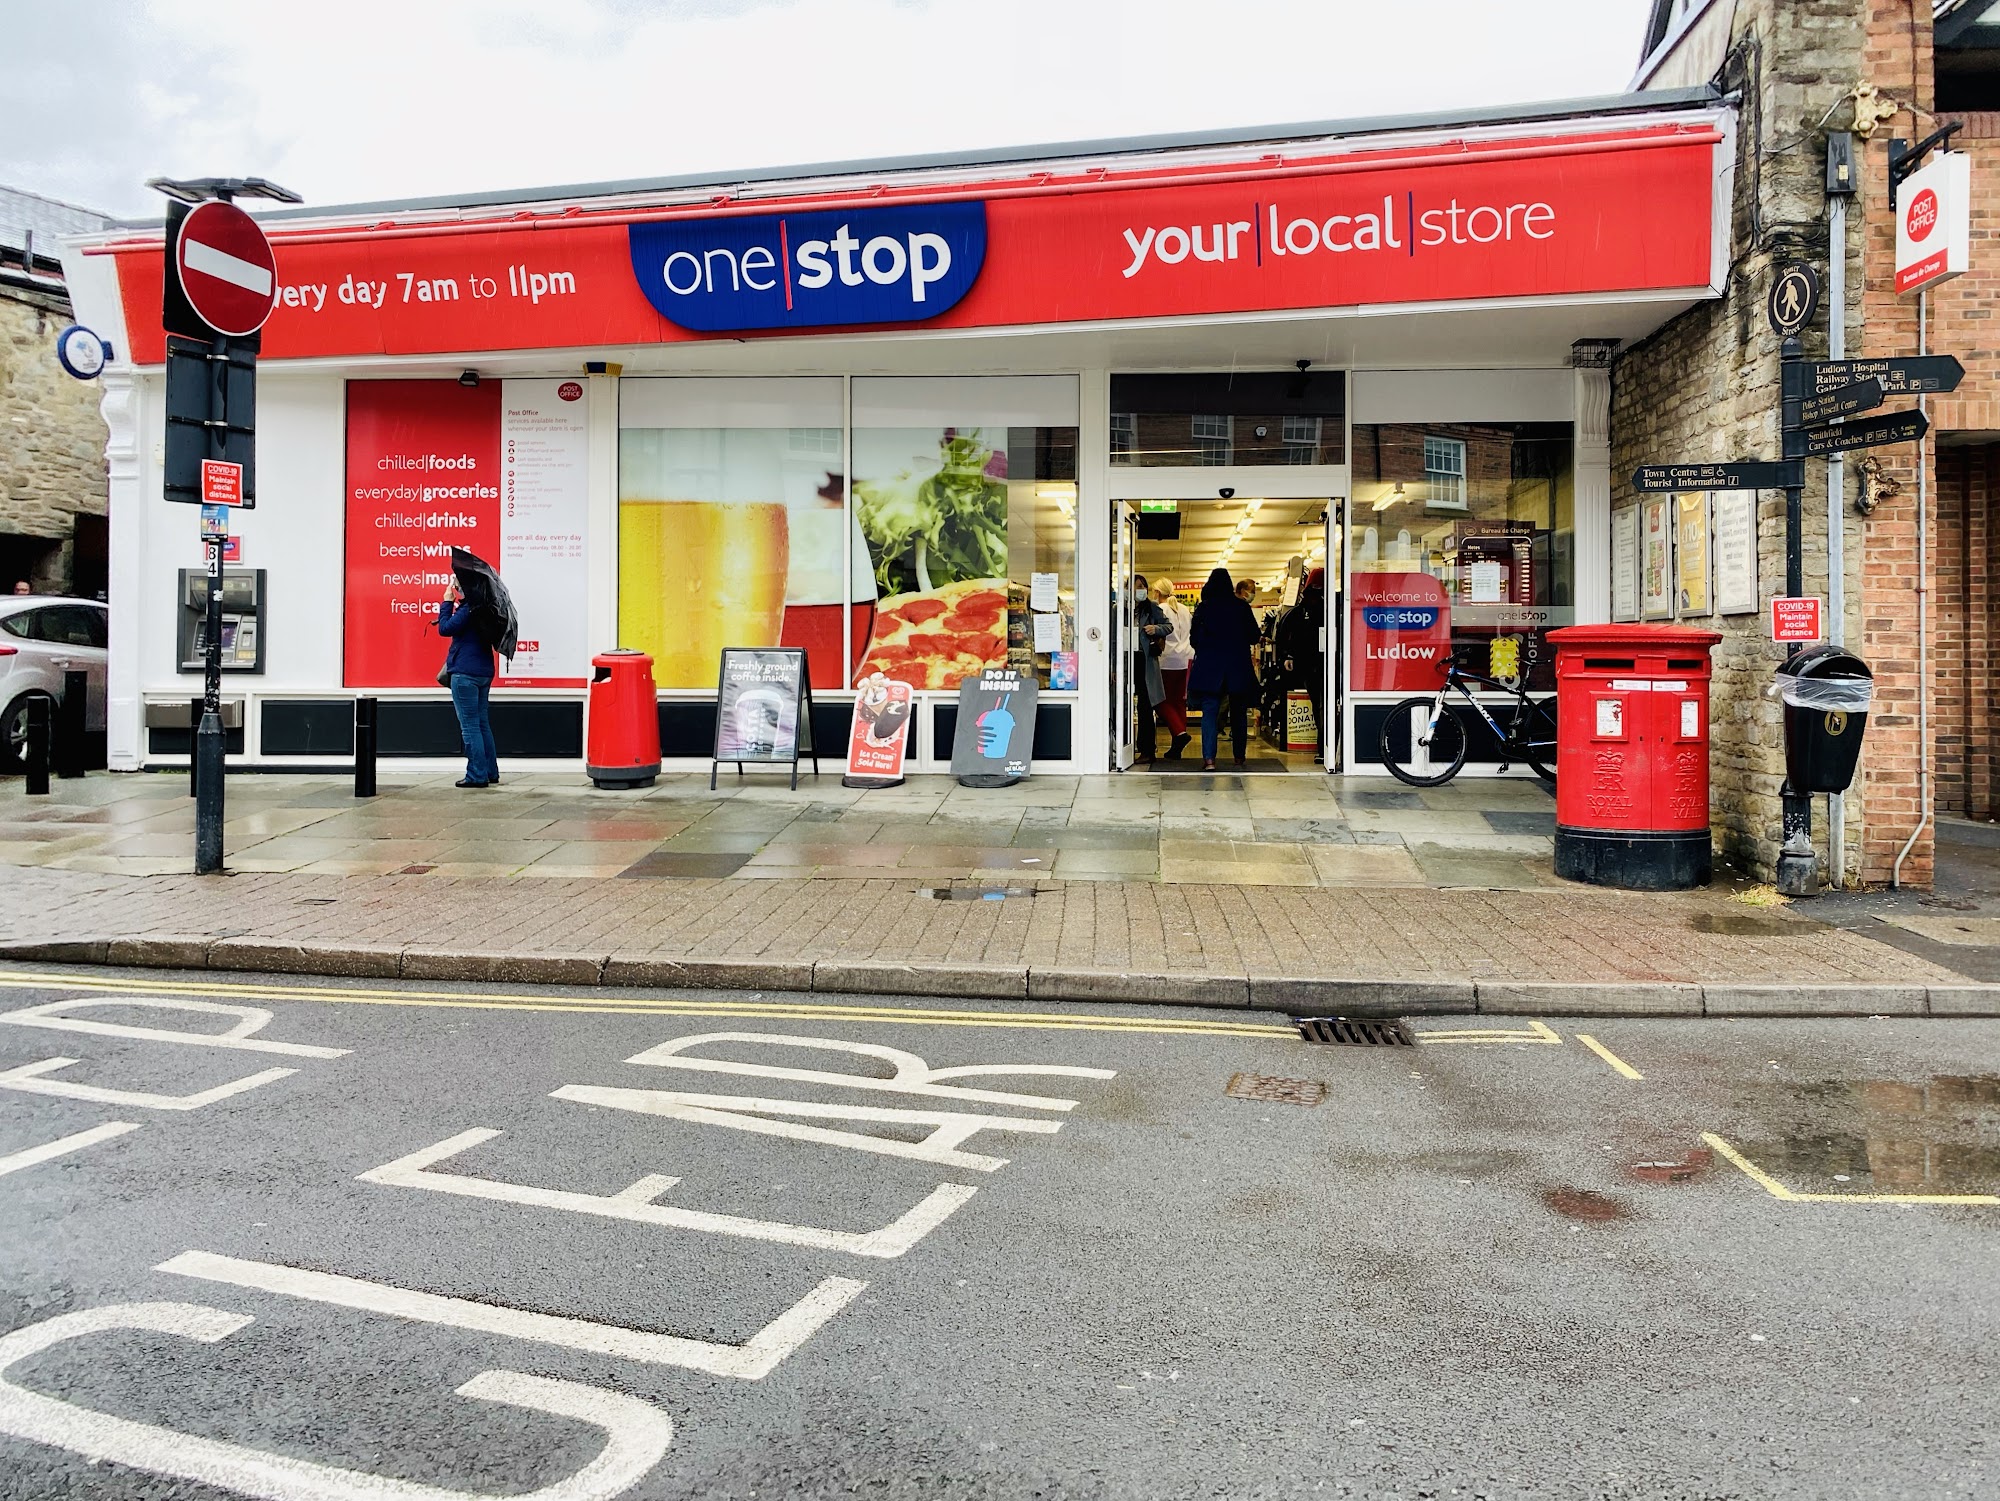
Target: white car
[42,637]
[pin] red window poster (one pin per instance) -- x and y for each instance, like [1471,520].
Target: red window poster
[423,476]
[1401,627]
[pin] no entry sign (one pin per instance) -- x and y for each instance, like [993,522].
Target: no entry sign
[226,268]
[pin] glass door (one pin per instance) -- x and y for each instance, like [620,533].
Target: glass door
[1332,632]
[1124,634]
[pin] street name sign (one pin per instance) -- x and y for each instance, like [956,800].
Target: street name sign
[1795,618]
[1735,474]
[1794,299]
[1913,375]
[1862,396]
[1867,432]
[226,269]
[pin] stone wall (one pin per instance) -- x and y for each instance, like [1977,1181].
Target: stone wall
[1705,387]
[51,434]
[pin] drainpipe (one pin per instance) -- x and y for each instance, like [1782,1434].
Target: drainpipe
[1923,636]
[1836,492]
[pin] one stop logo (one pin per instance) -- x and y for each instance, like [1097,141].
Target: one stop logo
[1923,216]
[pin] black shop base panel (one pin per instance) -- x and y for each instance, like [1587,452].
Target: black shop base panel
[1635,861]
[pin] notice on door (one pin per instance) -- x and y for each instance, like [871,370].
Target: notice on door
[497,469]
[544,452]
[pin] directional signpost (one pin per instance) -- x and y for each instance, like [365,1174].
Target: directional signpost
[1867,432]
[1914,375]
[220,286]
[1842,401]
[1736,474]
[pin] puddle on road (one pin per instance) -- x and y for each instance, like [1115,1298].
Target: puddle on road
[1586,1204]
[1751,925]
[1938,1135]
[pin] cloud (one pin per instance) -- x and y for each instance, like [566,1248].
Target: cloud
[386,99]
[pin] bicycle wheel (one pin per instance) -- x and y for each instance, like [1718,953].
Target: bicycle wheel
[1422,757]
[1539,739]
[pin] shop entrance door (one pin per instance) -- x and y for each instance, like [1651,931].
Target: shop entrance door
[1124,634]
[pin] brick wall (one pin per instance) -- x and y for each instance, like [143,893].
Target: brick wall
[51,434]
[1965,634]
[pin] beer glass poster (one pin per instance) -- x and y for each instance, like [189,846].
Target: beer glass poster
[757,712]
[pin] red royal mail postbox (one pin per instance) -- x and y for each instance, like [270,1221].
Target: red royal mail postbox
[1632,755]
[622,747]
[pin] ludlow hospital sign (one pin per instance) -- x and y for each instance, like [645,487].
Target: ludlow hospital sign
[1549,215]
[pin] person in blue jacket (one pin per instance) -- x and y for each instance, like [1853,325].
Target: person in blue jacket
[1222,633]
[469,664]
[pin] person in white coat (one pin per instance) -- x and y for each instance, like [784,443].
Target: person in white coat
[1174,664]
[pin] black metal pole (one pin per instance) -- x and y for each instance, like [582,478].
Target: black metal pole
[1798,866]
[195,706]
[70,721]
[36,751]
[208,745]
[364,747]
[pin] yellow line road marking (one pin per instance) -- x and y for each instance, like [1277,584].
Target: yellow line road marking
[1608,1056]
[1536,1032]
[1778,1190]
[784,1010]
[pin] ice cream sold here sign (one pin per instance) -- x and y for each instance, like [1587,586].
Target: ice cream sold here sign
[1612,208]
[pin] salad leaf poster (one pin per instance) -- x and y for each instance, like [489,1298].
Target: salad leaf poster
[932,506]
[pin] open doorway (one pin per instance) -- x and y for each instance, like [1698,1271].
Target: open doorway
[1287,552]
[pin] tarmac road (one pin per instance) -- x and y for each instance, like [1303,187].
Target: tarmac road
[1490,1265]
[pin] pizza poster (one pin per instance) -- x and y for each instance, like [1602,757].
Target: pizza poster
[497,469]
[879,737]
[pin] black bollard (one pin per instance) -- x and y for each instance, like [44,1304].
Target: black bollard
[195,706]
[69,727]
[36,752]
[364,747]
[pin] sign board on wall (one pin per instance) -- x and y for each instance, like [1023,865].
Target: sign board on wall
[1934,222]
[1691,554]
[1736,552]
[1603,210]
[426,473]
[1625,564]
[1656,558]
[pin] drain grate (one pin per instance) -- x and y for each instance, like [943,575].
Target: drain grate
[1274,1090]
[974,893]
[1355,1031]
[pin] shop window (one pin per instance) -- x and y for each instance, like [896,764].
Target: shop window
[964,491]
[1223,417]
[1444,473]
[1461,540]
[732,525]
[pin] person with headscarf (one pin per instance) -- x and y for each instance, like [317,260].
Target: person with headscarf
[1174,663]
[1222,634]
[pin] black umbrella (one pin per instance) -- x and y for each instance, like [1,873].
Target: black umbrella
[498,626]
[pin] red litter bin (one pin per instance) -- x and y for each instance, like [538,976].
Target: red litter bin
[622,743]
[1632,756]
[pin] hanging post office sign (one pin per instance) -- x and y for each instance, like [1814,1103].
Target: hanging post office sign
[1934,223]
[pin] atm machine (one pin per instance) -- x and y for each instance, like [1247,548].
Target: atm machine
[242,620]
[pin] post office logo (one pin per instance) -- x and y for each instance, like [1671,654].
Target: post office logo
[890,264]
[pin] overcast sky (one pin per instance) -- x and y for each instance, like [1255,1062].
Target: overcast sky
[398,98]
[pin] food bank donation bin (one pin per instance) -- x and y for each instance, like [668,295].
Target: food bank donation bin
[622,743]
[1632,755]
[1826,693]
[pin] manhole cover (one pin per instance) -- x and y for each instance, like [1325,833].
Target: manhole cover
[1355,1032]
[1275,1091]
[416,870]
[974,893]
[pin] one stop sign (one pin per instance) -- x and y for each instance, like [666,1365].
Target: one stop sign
[226,268]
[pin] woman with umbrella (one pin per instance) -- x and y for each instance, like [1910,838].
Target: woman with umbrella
[475,615]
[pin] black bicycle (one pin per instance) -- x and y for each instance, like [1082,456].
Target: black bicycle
[1424,742]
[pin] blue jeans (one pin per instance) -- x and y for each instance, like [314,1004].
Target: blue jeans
[469,697]
[1211,723]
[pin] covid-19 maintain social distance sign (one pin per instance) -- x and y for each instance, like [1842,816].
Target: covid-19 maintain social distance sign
[1624,209]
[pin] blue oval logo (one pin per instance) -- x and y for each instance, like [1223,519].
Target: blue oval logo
[1399,617]
[896,264]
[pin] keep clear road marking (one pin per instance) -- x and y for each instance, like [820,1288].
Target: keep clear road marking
[28,1079]
[13,1162]
[1778,1190]
[636,1433]
[750,1361]
[1535,1032]
[746,1009]
[1608,1056]
[635,1203]
[249,1020]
